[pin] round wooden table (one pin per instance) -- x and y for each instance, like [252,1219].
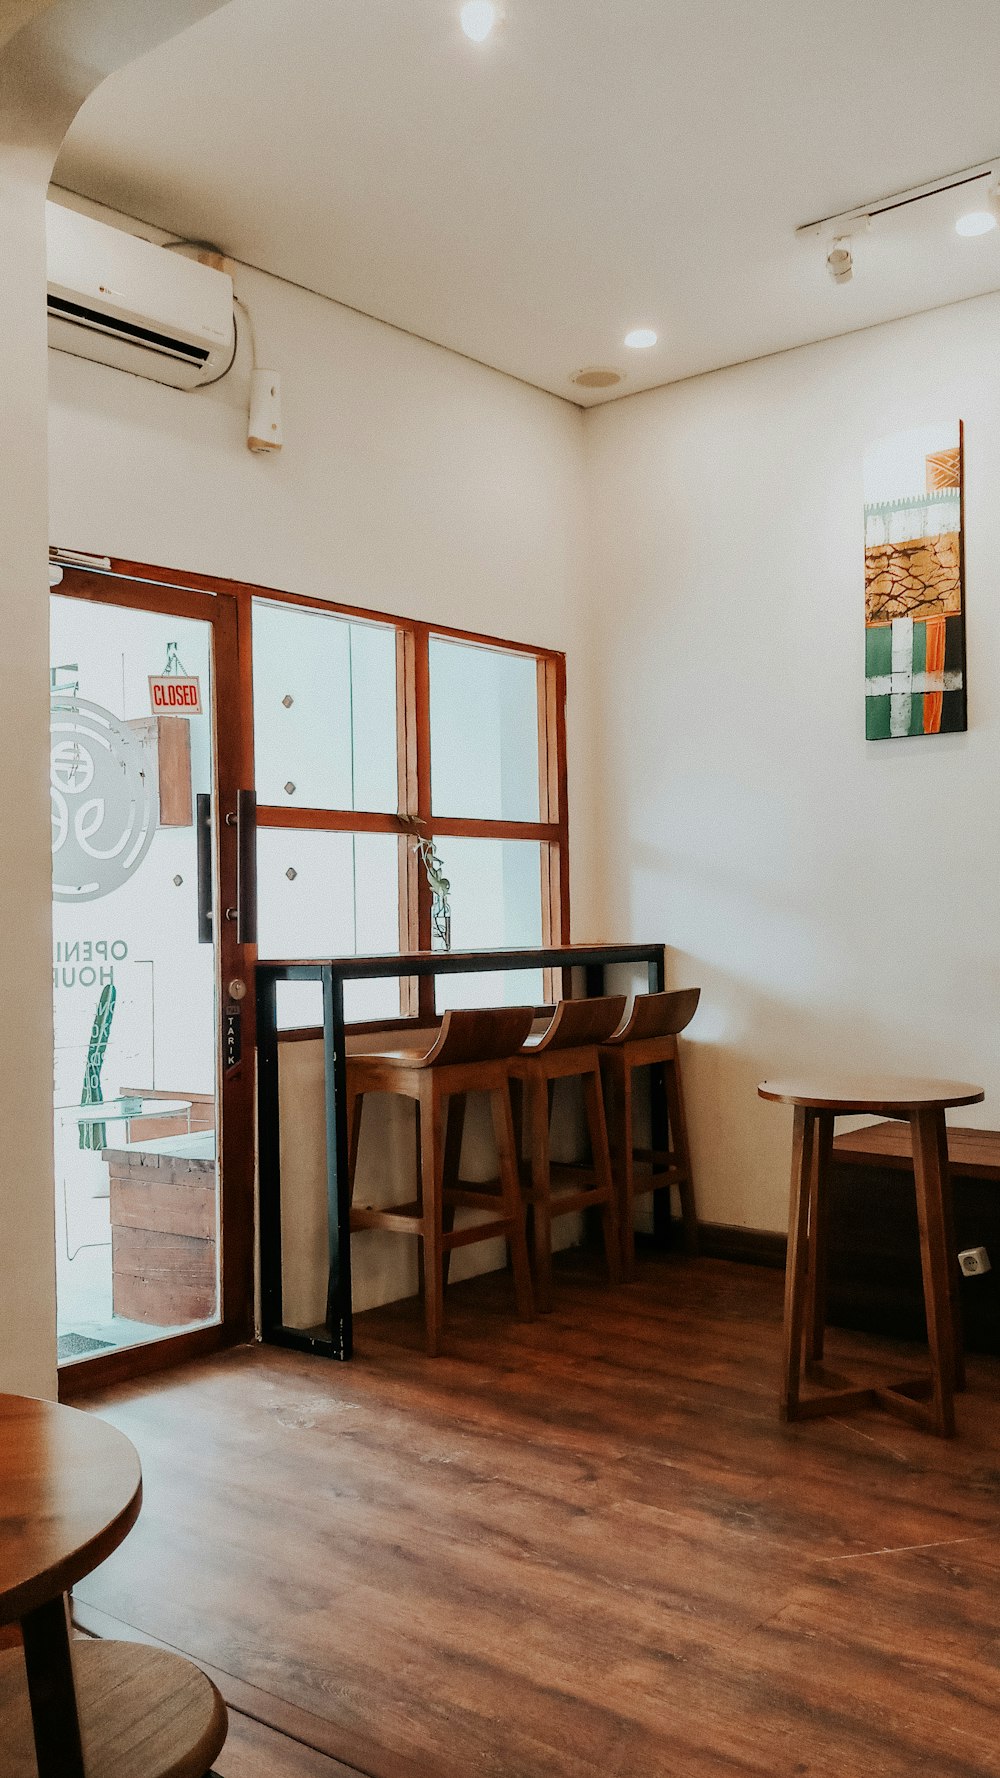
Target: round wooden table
[818,1100]
[70,1491]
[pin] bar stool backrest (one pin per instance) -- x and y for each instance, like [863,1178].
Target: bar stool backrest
[478,1034]
[659,1015]
[578,1023]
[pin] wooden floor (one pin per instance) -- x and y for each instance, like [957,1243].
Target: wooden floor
[582,1547]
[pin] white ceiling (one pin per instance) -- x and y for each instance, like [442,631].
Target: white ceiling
[595,166]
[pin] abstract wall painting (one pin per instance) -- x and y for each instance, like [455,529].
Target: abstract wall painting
[914,584]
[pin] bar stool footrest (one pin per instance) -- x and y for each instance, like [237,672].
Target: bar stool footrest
[405,1219]
[480,1231]
[472,1197]
[661,1163]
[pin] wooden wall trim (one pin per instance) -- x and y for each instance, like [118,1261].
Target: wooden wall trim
[750,1247]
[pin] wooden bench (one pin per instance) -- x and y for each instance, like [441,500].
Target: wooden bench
[874,1254]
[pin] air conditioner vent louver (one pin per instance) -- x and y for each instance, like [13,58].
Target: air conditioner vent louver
[156,342]
[124,302]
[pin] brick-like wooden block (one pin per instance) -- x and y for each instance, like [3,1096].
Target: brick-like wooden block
[164,1218]
[167,740]
[162,1279]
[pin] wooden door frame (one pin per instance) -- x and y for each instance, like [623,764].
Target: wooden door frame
[138,588]
[184,593]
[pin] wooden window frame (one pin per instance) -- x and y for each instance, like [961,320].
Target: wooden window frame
[413,763]
[413,740]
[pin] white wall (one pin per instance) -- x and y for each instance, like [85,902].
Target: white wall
[837,900]
[412,481]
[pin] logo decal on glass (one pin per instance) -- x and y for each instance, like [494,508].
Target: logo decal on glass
[103,815]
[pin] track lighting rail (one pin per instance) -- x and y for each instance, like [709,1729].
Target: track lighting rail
[847,220]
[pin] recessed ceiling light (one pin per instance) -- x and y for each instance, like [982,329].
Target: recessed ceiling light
[977,222]
[478,19]
[640,337]
[596,378]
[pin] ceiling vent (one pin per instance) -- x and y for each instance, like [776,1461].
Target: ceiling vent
[118,299]
[596,379]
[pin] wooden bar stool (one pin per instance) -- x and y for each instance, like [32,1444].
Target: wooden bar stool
[470,1054]
[922,1104]
[648,1039]
[567,1049]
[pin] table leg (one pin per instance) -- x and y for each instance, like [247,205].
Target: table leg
[803,1138]
[49,1666]
[819,1222]
[930,1170]
[953,1274]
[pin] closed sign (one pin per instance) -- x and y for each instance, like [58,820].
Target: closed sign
[175,695]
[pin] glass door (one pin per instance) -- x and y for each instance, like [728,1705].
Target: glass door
[148,974]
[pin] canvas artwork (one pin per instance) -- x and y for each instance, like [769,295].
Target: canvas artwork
[914,584]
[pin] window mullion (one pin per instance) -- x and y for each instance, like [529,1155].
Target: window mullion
[422,756]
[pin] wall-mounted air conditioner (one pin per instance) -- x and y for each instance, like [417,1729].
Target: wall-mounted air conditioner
[124,302]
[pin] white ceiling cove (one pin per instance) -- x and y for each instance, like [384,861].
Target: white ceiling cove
[596,165]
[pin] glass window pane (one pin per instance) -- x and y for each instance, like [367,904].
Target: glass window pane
[324,693]
[340,900]
[135,1016]
[298,1006]
[484,732]
[496,903]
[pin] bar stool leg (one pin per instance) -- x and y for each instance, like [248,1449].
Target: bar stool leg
[677,1123]
[355,1108]
[510,1191]
[819,1225]
[930,1175]
[601,1161]
[431,1164]
[796,1265]
[454,1128]
[538,1111]
[617,1077]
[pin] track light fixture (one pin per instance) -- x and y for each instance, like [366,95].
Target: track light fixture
[840,260]
[839,232]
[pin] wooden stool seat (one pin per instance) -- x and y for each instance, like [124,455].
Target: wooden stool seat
[469,1054]
[568,1048]
[922,1103]
[648,1039]
[143,1713]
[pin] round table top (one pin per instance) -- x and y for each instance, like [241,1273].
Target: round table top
[70,1491]
[885,1093]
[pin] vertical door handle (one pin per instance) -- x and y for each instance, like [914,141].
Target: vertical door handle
[203,846]
[245,912]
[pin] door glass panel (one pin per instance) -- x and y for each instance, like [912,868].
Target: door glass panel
[137,1245]
[329,895]
[496,904]
[324,692]
[484,732]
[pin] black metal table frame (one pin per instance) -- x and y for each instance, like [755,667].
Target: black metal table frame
[335,1340]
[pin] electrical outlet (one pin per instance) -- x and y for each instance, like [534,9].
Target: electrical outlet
[974,1261]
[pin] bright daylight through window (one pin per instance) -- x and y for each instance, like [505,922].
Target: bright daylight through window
[410,792]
